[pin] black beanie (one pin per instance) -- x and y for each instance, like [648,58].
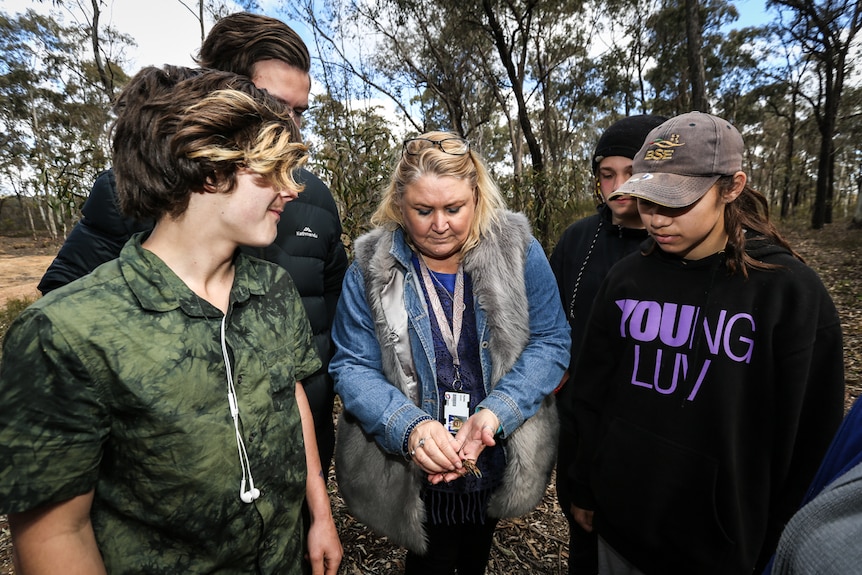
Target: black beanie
[625,137]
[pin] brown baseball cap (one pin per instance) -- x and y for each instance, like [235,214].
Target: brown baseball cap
[682,158]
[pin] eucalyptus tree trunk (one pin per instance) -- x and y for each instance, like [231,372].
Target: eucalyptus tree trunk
[516,77]
[825,30]
[694,37]
[788,158]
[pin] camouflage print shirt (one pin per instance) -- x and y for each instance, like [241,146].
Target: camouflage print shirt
[117,383]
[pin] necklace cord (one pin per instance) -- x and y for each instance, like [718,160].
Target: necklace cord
[583,267]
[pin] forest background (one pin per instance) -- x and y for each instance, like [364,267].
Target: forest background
[531,83]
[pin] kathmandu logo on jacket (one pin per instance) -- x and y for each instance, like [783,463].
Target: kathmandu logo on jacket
[663,148]
[306,233]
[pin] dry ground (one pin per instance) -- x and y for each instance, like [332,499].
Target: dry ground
[535,543]
[22,263]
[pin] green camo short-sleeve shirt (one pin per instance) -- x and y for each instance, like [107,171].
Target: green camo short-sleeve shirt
[117,383]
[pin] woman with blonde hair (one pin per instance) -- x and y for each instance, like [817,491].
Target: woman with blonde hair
[450,339]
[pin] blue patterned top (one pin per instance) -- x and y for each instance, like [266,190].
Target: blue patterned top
[464,500]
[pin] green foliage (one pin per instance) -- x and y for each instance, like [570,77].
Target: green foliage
[823,32]
[54,112]
[670,77]
[533,85]
[354,158]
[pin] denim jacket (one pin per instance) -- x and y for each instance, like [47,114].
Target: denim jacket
[386,376]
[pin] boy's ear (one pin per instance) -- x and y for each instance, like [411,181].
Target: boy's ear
[211,184]
[739,181]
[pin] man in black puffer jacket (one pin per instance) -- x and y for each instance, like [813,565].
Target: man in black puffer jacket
[308,244]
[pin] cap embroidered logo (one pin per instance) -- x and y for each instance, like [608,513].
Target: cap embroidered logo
[663,148]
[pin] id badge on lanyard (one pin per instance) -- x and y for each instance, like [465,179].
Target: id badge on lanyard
[456,410]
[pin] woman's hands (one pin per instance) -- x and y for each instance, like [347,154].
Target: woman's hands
[435,451]
[476,433]
[440,455]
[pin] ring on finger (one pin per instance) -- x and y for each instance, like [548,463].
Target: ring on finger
[421,443]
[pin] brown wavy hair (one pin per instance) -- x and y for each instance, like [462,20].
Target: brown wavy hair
[748,214]
[238,41]
[179,130]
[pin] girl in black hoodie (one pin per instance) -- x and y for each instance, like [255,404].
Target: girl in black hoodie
[710,380]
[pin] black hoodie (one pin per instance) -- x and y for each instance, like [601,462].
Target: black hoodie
[582,258]
[704,403]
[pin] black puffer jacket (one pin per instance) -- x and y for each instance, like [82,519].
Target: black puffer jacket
[96,239]
[308,246]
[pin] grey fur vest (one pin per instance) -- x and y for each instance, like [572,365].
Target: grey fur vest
[383,490]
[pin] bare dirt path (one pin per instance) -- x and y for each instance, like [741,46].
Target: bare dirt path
[19,276]
[23,261]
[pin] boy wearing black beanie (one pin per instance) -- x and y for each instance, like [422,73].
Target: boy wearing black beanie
[584,254]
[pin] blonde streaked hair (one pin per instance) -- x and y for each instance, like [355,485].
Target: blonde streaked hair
[269,148]
[181,131]
[433,161]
